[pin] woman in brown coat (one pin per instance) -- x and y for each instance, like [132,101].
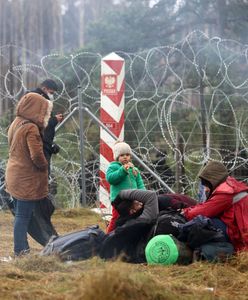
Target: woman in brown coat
[27,168]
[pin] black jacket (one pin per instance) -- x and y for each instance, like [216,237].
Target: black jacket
[40,92]
[49,131]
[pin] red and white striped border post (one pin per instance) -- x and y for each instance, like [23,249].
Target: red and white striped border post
[112,115]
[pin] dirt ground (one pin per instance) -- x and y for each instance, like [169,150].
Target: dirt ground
[36,277]
[63,220]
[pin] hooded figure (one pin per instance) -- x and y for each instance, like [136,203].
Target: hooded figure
[27,167]
[26,172]
[227,200]
[213,174]
[47,89]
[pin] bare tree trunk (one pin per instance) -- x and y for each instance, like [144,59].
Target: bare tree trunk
[41,26]
[57,32]
[221,17]
[23,39]
[81,23]
[11,82]
[61,35]
[3,22]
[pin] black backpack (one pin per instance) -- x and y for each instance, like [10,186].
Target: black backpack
[167,223]
[127,241]
[77,245]
[199,231]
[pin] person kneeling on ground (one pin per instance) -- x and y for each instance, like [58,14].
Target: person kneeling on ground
[141,205]
[137,209]
[226,204]
[205,238]
[130,207]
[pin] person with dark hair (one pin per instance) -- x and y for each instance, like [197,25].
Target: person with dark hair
[226,204]
[139,221]
[141,205]
[130,208]
[138,209]
[46,89]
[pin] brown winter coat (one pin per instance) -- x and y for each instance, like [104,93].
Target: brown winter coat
[27,168]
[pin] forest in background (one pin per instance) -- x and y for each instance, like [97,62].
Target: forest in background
[31,29]
[167,61]
[35,28]
[110,25]
[208,71]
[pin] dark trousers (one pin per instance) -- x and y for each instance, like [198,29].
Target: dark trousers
[33,217]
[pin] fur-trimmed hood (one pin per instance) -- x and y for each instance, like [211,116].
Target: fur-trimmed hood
[35,108]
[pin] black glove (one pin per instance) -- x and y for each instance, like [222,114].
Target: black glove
[55,149]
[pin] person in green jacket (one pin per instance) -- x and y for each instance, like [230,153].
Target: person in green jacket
[122,175]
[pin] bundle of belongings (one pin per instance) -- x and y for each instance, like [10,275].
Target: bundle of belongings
[145,233]
[162,237]
[154,229]
[79,245]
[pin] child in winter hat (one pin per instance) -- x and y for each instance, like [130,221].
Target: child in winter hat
[122,175]
[121,148]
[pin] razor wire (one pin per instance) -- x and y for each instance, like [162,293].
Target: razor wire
[163,112]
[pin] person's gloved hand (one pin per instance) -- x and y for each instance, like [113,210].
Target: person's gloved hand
[55,148]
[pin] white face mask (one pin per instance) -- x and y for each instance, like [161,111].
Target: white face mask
[51,96]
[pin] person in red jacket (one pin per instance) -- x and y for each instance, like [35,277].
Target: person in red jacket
[227,201]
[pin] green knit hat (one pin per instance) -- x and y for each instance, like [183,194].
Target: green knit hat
[161,249]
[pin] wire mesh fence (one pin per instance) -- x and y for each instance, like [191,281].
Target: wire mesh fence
[185,103]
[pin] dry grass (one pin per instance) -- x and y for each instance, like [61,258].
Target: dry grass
[35,277]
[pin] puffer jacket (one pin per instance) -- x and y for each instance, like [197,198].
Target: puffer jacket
[120,179]
[27,168]
[222,204]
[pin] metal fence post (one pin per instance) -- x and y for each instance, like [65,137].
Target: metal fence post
[81,136]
